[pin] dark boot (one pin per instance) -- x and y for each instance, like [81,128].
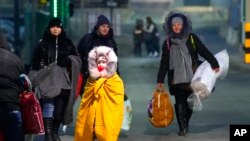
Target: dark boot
[56,126]
[181,119]
[48,125]
[189,114]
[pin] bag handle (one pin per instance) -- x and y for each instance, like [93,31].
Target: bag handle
[193,43]
[160,89]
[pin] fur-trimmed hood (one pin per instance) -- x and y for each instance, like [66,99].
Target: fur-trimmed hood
[112,60]
[187,25]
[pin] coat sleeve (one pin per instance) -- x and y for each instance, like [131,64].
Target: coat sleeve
[82,48]
[73,50]
[37,57]
[204,52]
[116,52]
[164,64]
[115,46]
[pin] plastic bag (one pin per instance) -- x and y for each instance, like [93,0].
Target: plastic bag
[223,60]
[194,102]
[127,117]
[204,85]
[205,78]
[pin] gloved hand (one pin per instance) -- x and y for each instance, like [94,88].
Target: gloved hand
[64,63]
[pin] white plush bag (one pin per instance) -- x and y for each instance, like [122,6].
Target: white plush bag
[205,78]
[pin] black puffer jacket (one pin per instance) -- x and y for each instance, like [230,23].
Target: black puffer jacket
[195,48]
[11,68]
[45,52]
[91,40]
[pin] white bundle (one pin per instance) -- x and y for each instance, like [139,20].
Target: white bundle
[204,79]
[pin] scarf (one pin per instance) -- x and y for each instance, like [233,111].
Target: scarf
[180,61]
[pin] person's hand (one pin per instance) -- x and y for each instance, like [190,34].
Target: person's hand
[159,86]
[104,74]
[216,70]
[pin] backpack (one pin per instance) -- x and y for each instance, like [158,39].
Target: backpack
[160,109]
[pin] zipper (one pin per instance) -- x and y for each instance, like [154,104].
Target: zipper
[56,50]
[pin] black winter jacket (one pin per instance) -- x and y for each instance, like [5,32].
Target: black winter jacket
[45,52]
[138,34]
[194,51]
[11,68]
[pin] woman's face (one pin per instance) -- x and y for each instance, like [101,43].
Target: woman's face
[55,30]
[177,27]
[103,29]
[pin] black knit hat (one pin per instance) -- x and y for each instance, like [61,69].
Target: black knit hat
[102,20]
[55,22]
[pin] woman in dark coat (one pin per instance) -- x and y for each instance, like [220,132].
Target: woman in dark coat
[54,47]
[151,38]
[138,37]
[102,35]
[179,59]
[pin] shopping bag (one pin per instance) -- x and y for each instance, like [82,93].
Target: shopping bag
[127,116]
[204,80]
[160,109]
[31,114]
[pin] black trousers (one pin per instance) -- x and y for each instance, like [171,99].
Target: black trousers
[137,49]
[11,125]
[60,103]
[182,110]
[181,97]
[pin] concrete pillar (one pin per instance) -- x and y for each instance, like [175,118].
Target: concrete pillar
[247,8]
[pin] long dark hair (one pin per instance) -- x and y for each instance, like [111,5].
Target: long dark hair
[149,22]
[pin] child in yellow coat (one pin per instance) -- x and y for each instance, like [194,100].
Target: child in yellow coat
[101,109]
